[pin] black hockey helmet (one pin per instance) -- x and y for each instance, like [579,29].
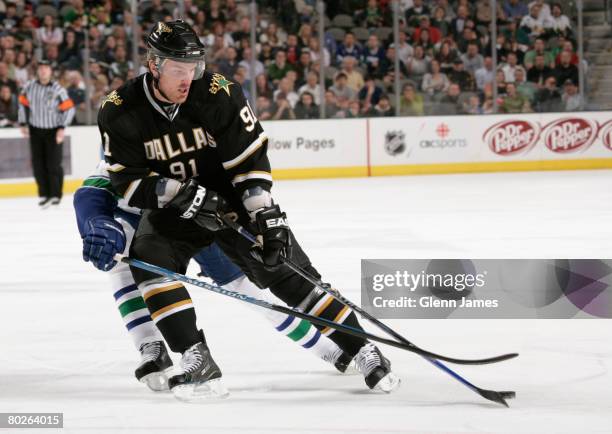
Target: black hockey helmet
[176,40]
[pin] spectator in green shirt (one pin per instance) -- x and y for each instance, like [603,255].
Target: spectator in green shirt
[514,102]
[280,67]
[539,48]
[411,102]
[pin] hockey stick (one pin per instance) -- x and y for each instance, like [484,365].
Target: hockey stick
[492,395]
[275,307]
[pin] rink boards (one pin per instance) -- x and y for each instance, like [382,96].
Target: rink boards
[379,147]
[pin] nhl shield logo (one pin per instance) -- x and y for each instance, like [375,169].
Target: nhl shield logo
[394,142]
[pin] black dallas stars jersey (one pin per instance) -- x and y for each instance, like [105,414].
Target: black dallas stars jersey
[213,136]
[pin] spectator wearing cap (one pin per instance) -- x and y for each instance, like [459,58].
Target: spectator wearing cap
[414,13]
[484,75]
[540,71]
[565,70]
[533,24]
[348,47]
[45,109]
[572,100]
[472,59]
[354,77]
[515,9]
[548,99]
[373,56]
[461,77]
[514,102]
[434,34]
[341,89]
[411,102]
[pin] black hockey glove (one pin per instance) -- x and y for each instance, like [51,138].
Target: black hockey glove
[271,223]
[196,203]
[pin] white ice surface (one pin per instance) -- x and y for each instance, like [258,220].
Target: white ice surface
[63,347]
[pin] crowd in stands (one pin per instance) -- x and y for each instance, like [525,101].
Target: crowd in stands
[444,51]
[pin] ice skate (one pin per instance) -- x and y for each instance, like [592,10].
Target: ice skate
[155,366]
[376,369]
[341,361]
[201,377]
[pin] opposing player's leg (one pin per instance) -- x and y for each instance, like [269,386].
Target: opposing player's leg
[155,364]
[163,239]
[216,265]
[300,294]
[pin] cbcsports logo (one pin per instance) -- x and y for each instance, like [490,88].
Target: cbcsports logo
[569,135]
[511,137]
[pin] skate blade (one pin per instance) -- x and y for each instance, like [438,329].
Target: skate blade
[388,383]
[352,369]
[211,389]
[157,381]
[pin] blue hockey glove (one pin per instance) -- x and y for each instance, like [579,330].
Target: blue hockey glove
[103,238]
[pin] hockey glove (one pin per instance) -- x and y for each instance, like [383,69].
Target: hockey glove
[196,203]
[103,238]
[271,223]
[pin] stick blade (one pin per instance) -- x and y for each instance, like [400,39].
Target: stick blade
[495,396]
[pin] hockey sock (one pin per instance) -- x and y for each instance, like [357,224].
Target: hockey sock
[298,330]
[326,306]
[132,307]
[172,311]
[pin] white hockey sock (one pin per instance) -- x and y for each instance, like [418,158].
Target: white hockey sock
[132,307]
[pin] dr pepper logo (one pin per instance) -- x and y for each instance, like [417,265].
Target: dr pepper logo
[511,137]
[606,135]
[569,135]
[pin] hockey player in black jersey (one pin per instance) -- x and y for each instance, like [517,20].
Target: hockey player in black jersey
[184,145]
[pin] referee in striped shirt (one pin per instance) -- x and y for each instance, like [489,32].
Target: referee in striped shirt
[44,111]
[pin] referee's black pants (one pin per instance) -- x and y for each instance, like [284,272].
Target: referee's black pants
[47,161]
